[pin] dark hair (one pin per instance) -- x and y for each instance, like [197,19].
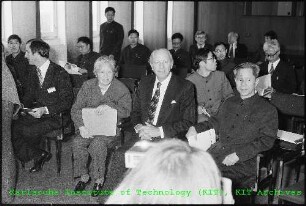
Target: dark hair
[110,9]
[85,40]
[177,36]
[202,55]
[39,46]
[271,34]
[218,44]
[14,36]
[133,31]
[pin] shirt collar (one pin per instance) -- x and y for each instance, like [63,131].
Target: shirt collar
[44,67]
[165,82]
[274,63]
[200,46]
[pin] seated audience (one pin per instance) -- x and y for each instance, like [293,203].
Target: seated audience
[181,58]
[18,64]
[164,104]
[212,87]
[85,61]
[283,77]
[171,172]
[10,106]
[200,38]
[224,63]
[235,50]
[246,125]
[48,94]
[260,56]
[135,53]
[99,93]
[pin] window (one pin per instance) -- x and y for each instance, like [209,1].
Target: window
[98,16]
[6,20]
[138,19]
[48,19]
[169,24]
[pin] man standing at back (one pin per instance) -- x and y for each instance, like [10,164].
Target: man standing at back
[164,105]
[111,35]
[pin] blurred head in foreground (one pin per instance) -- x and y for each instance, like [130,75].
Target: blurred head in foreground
[171,172]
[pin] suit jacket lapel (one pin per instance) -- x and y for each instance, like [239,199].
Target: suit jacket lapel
[169,96]
[148,95]
[48,77]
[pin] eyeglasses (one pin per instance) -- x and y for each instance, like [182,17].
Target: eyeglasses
[271,55]
[213,58]
[219,51]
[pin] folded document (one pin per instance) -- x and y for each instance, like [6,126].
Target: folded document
[104,124]
[203,140]
[289,136]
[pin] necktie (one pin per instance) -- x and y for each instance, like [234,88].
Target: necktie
[153,104]
[231,54]
[271,69]
[40,77]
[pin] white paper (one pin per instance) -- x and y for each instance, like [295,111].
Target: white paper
[104,124]
[203,140]
[289,136]
[263,83]
[73,68]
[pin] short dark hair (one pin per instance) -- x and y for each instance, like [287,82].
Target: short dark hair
[177,36]
[85,40]
[218,44]
[202,55]
[272,34]
[110,9]
[39,46]
[133,31]
[14,36]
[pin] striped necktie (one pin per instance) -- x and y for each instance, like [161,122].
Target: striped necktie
[40,77]
[272,69]
[153,104]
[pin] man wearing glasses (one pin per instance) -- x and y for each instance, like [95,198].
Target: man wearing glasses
[283,77]
[212,87]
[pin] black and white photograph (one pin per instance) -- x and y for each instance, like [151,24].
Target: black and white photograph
[153,102]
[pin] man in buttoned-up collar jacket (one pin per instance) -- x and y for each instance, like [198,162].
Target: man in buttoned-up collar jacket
[48,94]
[246,125]
[175,110]
[283,78]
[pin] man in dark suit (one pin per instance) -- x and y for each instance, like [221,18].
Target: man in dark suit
[246,125]
[181,57]
[164,105]
[283,77]
[111,35]
[200,38]
[236,51]
[48,93]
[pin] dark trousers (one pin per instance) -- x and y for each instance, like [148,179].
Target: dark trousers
[27,135]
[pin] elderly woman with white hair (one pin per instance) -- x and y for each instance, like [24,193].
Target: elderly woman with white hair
[103,91]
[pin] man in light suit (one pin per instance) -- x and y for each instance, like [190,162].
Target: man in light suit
[48,93]
[175,106]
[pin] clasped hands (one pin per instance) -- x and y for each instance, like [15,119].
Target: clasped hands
[147,131]
[229,160]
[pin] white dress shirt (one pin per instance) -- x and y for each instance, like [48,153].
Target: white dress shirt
[274,65]
[163,88]
[43,70]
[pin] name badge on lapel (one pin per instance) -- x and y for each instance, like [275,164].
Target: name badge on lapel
[173,102]
[50,90]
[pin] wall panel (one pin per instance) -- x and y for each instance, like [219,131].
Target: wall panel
[183,21]
[77,25]
[154,24]
[24,20]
